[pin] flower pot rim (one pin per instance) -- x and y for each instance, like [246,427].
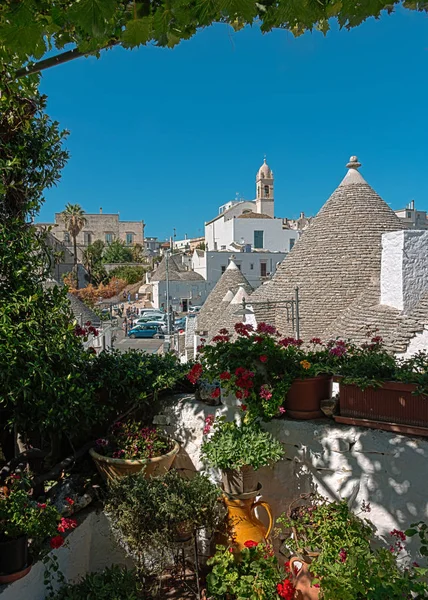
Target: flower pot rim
[320,376]
[128,461]
[12,577]
[384,385]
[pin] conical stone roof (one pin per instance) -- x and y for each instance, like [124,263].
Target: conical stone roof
[219,298]
[336,260]
[226,316]
[176,271]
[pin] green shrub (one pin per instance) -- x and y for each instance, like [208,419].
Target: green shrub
[151,513]
[129,274]
[233,446]
[114,583]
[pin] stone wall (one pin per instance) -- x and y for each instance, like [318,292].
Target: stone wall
[382,468]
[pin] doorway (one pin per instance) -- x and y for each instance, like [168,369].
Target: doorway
[185,304]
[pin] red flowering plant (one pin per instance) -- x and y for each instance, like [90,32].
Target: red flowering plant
[21,515]
[339,547]
[256,573]
[248,364]
[133,441]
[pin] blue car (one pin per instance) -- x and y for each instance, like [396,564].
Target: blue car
[180,323]
[146,330]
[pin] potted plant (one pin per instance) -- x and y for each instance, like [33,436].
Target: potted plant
[132,447]
[238,450]
[307,372]
[25,525]
[256,573]
[379,390]
[151,515]
[334,546]
[245,364]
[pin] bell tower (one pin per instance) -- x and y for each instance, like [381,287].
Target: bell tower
[264,190]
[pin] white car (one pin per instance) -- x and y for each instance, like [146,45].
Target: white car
[150,317]
[150,311]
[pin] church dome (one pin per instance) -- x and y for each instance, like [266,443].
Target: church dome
[264,172]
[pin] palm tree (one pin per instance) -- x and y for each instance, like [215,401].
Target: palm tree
[74,221]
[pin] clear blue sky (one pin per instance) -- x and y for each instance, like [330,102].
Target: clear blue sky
[169,135]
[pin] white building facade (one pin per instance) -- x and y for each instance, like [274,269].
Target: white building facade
[256,267]
[251,224]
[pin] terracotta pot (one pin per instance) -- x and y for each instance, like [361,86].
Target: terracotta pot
[393,402]
[14,562]
[237,482]
[304,397]
[302,580]
[115,468]
[243,523]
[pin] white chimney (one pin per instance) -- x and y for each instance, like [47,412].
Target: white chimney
[101,210]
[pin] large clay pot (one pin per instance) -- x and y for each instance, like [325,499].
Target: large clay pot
[115,468]
[302,580]
[237,482]
[14,562]
[305,395]
[243,523]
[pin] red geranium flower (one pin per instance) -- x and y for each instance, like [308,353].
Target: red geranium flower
[263,358]
[66,524]
[243,407]
[216,393]
[251,544]
[69,501]
[56,542]
[41,505]
[225,375]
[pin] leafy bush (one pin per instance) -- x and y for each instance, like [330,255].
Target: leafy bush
[117,252]
[130,440]
[233,446]
[129,274]
[343,563]
[114,583]
[151,513]
[255,574]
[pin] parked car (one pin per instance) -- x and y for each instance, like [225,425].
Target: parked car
[150,317]
[194,309]
[180,323]
[147,311]
[146,330]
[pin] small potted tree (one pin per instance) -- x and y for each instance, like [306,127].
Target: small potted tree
[151,515]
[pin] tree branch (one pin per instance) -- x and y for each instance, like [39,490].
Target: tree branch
[59,59]
[62,466]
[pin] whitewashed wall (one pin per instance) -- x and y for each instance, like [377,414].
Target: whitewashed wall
[404,273]
[90,547]
[382,468]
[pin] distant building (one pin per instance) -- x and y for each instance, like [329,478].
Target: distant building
[256,267]
[104,227]
[188,244]
[186,288]
[152,244]
[412,218]
[251,223]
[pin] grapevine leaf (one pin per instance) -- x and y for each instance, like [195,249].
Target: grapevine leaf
[138,32]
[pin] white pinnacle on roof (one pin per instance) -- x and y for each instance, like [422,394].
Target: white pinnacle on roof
[353,175]
[240,295]
[228,297]
[232,266]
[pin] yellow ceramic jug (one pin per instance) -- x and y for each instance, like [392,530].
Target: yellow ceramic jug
[243,523]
